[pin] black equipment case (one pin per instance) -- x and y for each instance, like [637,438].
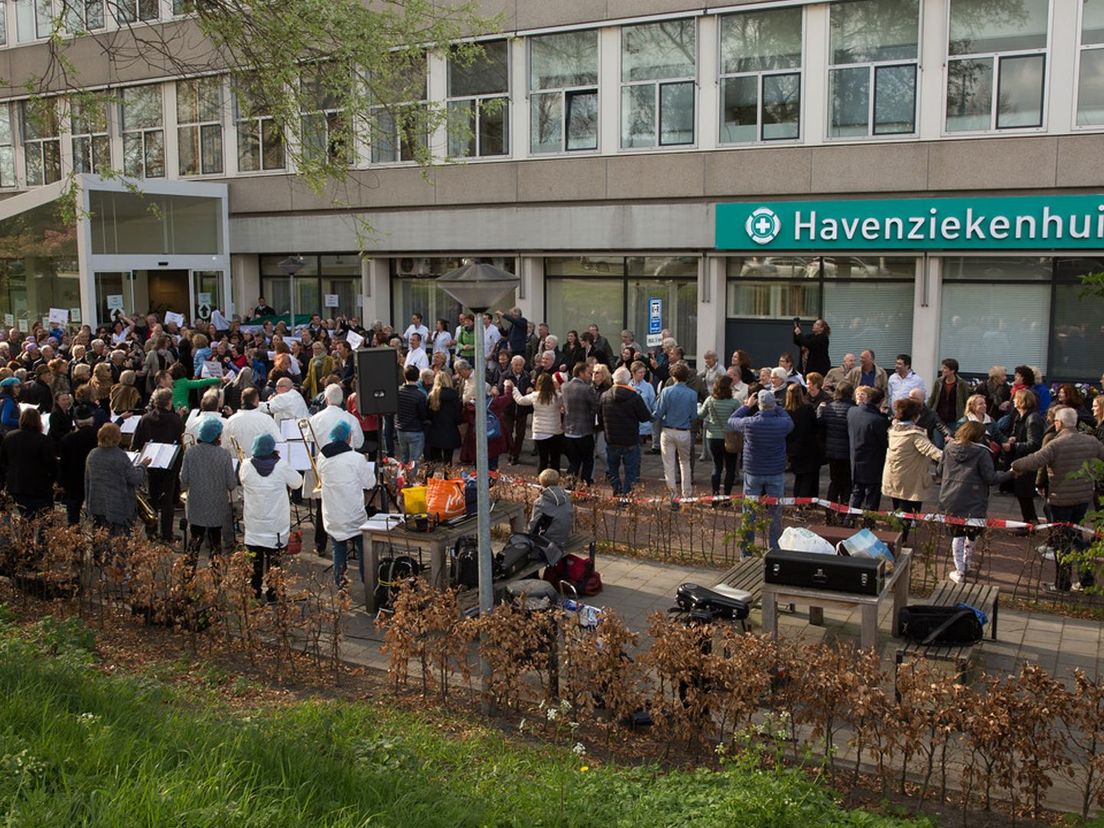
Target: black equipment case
[831,573]
[707,604]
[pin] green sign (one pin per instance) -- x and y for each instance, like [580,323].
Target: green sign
[1022,222]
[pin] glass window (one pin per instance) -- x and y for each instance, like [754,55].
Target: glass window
[41,142]
[981,326]
[563,92]
[84,15]
[130,11]
[34,19]
[479,104]
[996,268]
[658,67]
[400,131]
[326,134]
[1090,85]
[260,141]
[41,271]
[3,25]
[873,91]
[199,126]
[91,143]
[7,147]
[761,76]
[573,303]
[1077,335]
[996,46]
[680,310]
[143,132]
[875,315]
[128,222]
[414,289]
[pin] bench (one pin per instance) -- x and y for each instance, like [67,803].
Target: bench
[982,596]
[577,544]
[747,576]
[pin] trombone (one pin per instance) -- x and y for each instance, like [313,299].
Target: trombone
[234,444]
[304,425]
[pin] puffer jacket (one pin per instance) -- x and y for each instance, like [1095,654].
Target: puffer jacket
[1063,456]
[832,422]
[623,410]
[907,471]
[764,438]
[546,416]
[968,472]
[554,508]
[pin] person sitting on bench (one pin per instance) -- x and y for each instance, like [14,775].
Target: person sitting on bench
[553,513]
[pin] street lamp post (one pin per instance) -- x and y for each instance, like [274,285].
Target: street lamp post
[478,287]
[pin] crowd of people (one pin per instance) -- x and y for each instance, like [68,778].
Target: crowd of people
[72,400]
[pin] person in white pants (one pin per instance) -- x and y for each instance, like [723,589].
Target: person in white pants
[676,410]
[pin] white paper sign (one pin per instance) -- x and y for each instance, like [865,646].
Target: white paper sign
[58,316]
[205,299]
[271,356]
[114,302]
[24,326]
[360,301]
[9,320]
[74,315]
[211,368]
[331,300]
[354,339]
[174,318]
[654,340]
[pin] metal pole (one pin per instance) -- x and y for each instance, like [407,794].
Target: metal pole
[483,495]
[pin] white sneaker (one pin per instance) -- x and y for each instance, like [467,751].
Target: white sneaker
[1045,552]
[956,576]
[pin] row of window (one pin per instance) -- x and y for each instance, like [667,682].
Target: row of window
[40,19]
[996,54]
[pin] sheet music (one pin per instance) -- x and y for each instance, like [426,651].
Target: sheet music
[297,455]
[130,424]
[161,455]
[289,430]
[133,457]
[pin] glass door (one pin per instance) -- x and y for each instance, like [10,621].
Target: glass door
[114,291]
[206,294]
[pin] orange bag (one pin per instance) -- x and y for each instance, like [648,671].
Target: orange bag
[445,498]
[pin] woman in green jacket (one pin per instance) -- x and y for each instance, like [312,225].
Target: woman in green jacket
[714,414]
[183,387]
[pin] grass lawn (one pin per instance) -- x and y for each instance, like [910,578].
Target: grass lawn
[79,747]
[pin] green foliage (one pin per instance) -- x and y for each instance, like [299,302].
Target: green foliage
[78,747]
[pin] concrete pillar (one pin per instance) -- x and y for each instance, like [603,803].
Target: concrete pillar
[711,307]
[530,291]
[245,281]
[377,291]
[927,306]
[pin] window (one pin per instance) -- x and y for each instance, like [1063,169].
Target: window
[41,142]
[1090,86]
[7,148]
[761,76]
[996,64]
[91,144]
[3,25]
[658,66]
[563,92]
[872,76]
[130,11]
[400,131]
[84,15]
[325,128]
[183,7]
[479,103]
[260,141]
[995,310]
[199,125]
[143,132]
[34,19]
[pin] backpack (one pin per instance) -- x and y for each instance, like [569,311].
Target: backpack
[391,574]
[925,624]
[465,556]
[494,427]
[576,573]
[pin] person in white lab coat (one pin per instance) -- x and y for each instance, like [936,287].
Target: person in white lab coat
[265,478]
[322,424]
[345,475]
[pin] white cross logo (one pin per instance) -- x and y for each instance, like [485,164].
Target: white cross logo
[763,225]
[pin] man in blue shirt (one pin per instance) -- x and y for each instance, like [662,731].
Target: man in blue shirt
[676,410]
[764,426]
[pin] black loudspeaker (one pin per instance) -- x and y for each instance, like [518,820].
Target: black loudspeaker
[377,381]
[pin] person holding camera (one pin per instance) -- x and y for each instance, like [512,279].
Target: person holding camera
[817,358]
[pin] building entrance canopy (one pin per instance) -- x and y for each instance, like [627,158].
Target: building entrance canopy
[118,245]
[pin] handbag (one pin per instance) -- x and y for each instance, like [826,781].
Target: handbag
[734,442]
[445,499]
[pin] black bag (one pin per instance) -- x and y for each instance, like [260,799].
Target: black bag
[940,625]
[466,560]
[391,574]
[514,557]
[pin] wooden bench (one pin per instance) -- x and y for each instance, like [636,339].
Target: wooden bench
[981,596]
[577,544]
[747,576]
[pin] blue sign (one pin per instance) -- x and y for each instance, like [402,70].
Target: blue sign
[655,315]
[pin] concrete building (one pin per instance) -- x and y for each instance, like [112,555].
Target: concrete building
[926,174]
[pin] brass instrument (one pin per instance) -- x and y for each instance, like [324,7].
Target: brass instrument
[146,513]
[187,440]
[304,425]
[234,444]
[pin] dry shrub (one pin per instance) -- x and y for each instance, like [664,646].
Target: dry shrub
[596,671]
[514,642]
[1038,704]
[1084,729]
[743,674]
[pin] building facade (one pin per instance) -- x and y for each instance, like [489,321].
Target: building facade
[601,138]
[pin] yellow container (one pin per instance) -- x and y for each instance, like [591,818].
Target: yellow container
[414,500]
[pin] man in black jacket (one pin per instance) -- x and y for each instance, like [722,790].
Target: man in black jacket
[623,410]
[28,465]
[816,358]
[411,417]
[517,415]
[162,425]
[36,392]
[75,448]
[868,431]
